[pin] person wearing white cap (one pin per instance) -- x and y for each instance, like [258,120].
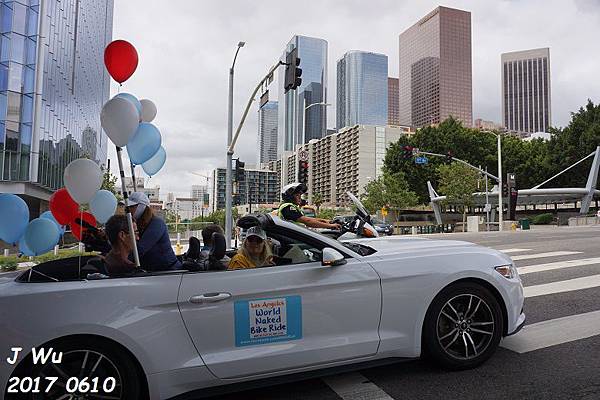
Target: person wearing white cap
[255,251]
[154,246]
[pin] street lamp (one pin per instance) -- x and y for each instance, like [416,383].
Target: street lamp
[228,180]
[309,106]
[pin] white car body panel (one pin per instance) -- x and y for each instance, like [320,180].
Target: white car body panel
[372,307]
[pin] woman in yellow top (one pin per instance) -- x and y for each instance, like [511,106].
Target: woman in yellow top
[255,251]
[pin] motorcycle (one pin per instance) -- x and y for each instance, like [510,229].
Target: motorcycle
[359,227]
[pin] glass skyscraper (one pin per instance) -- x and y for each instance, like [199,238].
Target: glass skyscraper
[52,88]
[297,122]
[362,89]
[267,132]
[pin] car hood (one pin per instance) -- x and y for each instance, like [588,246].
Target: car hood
[392,245]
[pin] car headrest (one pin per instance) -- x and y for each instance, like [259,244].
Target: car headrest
[194,248]
[248,221]
[219,246]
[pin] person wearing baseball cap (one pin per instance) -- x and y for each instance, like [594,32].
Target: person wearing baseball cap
[255,251]
[154,245]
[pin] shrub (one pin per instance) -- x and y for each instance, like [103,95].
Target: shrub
[543,219]
[8,265]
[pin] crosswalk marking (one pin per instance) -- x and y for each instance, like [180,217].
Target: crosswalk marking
[507,251]
[558,265]
[543,255]
[555,331]
[568,285]
[354,386]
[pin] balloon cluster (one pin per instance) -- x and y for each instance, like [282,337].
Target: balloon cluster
[83,179]
[127,120]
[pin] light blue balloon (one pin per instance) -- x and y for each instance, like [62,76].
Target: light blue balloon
[41,236]
[23,247]
[14,216]
[144,144]
[134,100]
[153,165]
[48,215]
[103,205]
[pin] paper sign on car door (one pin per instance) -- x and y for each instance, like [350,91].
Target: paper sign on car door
[262,321]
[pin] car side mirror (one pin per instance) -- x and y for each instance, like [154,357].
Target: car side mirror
[332,257]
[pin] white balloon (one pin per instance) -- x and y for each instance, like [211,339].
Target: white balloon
[148,110]
[83,178]
[120,120]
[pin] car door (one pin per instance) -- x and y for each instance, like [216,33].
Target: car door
[254,321]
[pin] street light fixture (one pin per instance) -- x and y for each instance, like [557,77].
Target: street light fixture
[228,180]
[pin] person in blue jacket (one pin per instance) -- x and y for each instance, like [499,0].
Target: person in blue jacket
[154,245]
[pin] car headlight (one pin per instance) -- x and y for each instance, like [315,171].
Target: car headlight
[508,271]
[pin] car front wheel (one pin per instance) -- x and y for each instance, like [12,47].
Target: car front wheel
[462,327]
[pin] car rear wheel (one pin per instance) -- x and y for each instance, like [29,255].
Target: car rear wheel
[463,326]
[87,371]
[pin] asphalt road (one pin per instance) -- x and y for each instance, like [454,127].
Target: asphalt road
[556,355]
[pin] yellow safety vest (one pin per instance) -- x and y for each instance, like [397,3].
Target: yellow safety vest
[295,206]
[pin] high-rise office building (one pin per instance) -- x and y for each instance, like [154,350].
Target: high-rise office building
[526,102]
[267,132]
[300,120]
[435,79]
[393,99]
[362,87]
[52,87]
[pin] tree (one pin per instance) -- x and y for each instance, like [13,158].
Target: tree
[390,190]
[317,200]
[458,182]
[109,182]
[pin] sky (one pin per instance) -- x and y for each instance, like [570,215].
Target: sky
[186,47]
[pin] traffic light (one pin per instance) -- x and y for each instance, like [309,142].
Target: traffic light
[303,172]
[292,72]
[407,152]
[239,170]
[448,157]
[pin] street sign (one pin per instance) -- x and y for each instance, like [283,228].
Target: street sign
[384,211]
[421,160]
[303,155]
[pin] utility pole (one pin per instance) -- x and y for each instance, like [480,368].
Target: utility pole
[500,205]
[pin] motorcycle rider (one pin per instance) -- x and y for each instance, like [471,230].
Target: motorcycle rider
[290,208]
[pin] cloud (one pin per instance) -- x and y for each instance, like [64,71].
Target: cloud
[186,48]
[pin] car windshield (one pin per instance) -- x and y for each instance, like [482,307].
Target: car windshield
[376,220]
[359,248]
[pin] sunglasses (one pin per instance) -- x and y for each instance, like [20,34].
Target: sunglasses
[254,239]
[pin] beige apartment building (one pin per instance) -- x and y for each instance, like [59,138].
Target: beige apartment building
[340,162]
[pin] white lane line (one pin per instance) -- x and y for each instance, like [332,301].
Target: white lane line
[568,285]
[506,251]
[543,255]
[354,386]
[555,331]
[558,265]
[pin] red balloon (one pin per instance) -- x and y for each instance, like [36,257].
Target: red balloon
[121,60]
[63,207]
[79,228]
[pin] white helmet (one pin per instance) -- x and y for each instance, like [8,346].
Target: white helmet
[288,191]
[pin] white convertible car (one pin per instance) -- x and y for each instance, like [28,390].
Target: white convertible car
[327,303]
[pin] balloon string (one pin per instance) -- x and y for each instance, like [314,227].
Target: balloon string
[81,237]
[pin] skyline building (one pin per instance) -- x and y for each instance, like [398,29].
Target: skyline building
[297,123]
[526,100]
[267,132]
[393,101]
[435,73]
[362,87]
[52,87]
